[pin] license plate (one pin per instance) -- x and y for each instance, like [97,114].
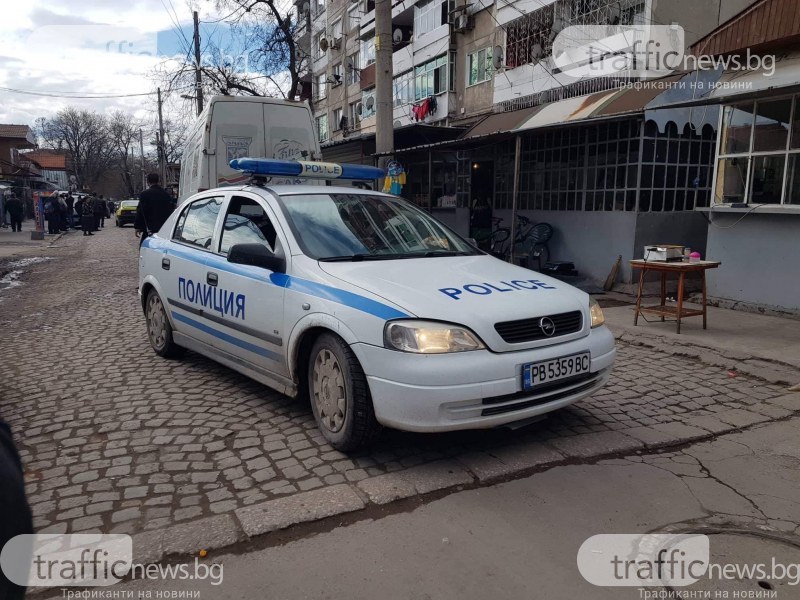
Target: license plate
[538,373]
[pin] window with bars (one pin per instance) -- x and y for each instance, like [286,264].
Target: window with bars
[759,153]
[530,37]
[676,167]
[597,168]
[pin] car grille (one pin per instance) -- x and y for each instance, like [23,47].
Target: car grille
[529,330]
[545,394]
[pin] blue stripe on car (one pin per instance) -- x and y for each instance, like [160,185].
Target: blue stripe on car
[225,337]
[303,286]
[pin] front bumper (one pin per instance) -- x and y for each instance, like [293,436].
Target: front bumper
[475,390]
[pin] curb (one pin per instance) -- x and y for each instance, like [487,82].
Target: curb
[768,370]
[474,470]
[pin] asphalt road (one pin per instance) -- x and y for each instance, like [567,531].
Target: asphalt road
[520,539]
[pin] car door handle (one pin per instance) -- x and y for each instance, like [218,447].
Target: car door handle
[165,264]
[212,278]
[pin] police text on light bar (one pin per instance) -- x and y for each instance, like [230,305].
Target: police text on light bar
[304,168]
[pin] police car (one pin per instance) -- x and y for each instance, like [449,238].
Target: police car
[366,305]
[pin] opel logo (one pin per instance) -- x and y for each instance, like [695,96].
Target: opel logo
[547,326]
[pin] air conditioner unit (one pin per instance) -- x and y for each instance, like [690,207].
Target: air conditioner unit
[334,43]
[462,22]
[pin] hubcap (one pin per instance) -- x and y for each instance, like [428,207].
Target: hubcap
[156,322]
[329,392]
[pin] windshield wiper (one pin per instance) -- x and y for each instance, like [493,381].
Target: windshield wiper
[395,256]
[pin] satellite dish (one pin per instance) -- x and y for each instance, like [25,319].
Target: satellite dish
[323,44]
[370,103]
[497,58]
[397,35]
[360,108]
[306,7]
[397,124]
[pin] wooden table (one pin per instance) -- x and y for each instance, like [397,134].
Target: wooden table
[681,268]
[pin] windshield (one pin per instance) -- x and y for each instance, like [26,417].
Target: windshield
[364,227]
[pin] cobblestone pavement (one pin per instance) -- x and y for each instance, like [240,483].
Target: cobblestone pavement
[117,439]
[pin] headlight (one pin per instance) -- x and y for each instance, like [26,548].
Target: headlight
[426,337]
[597,313]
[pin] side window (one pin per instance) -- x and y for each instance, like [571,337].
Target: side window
[196,222]
[246,223]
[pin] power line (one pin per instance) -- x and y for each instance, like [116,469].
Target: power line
[56,94]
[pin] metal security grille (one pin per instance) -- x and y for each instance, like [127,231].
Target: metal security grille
[529,330]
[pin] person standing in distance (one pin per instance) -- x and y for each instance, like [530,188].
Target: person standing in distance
[155,207]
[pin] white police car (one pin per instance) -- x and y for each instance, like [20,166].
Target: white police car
[368,305]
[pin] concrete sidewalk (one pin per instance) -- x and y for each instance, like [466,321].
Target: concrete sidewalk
[520,539]
[764,346]
[19,243]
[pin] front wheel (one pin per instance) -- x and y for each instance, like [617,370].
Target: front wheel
[340,398]
[159,329]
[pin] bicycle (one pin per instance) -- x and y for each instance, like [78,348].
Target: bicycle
[494,242]
[530,242]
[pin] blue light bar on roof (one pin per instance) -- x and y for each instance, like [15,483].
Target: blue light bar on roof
[305,168]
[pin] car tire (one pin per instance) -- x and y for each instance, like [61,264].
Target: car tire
[339,395]
[159,329]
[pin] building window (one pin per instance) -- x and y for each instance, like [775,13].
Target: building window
[353,17]
[322,128]
[353,68]
[336,29]
[336,73]
[530,37]
[368,103]
[403,88]
[429,15]
[430,78]
[367,52]
[322,84]
[355,114]
[479,65]
[337,119]
[316,49]
[319,7]
[759,153]
[597,168]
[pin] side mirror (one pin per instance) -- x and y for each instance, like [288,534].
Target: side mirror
[256,255]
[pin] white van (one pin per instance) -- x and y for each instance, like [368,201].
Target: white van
[240,126]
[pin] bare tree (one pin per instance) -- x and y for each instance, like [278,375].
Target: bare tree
[86,136]
[258,55]
[125,139]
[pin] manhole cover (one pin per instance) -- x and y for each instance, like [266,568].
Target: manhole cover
[738,555]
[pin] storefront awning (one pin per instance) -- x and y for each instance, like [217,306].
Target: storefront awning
[705,87]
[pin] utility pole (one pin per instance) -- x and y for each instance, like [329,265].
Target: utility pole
[384,134]
[141,152]
[197,78]
[162,170]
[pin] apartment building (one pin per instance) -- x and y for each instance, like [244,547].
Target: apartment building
[480,105]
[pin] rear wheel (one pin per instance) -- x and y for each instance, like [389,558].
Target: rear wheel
[159,329]
[339,394]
